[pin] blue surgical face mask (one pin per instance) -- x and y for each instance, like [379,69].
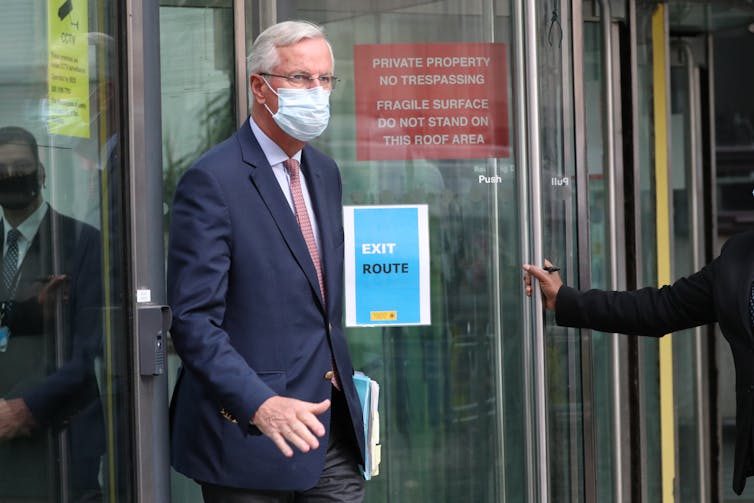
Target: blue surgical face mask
[302,113]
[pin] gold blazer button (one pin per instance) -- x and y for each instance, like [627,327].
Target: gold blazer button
[329,375]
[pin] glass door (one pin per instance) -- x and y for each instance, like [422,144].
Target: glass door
[452,424]
[604,169]
[642,255]
[198,111]
[554,190]
[452,427]
[688,244]
[65,345]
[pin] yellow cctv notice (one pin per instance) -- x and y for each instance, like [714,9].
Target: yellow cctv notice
[383,315]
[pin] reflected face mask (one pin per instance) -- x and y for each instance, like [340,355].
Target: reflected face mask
[302,113]
[18,191]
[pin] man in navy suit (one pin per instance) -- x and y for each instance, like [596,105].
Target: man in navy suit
[265,407]
[722,292]
[50,312]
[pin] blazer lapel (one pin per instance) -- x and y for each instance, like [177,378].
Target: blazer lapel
[267,186]
[747,296]
[2,256]
[737,282]
[38,259]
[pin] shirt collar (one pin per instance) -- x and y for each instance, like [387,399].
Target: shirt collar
[272,152]
[28,228]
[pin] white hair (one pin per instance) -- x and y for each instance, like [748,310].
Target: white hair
[263,56]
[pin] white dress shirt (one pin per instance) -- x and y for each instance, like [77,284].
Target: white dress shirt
[275,156]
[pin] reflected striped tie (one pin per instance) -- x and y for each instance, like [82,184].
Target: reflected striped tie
[10,260]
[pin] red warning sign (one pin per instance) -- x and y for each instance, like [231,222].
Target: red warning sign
[431,101]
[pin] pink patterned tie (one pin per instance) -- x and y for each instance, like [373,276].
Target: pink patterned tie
[302,217]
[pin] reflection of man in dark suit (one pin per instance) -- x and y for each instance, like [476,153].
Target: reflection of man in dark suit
[721,292]
[50,291]
[257,306]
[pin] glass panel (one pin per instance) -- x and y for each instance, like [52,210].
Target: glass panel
[558,182]
[197,67]
[440,388]
[646,235]
[598,228]
[64,368]
[684,342]
[196,63]
[734,156]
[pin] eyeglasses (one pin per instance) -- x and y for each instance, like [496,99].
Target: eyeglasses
[301,80]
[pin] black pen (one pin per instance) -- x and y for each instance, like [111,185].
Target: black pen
[551,268]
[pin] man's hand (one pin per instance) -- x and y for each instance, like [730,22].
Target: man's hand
[50,290]
[289,420]
[54,287]
[15,419]
[549,283]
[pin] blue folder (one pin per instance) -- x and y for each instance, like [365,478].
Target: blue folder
[365,387]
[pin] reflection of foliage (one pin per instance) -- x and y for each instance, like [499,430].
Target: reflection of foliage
[172,170]
[218,122]
[213,126]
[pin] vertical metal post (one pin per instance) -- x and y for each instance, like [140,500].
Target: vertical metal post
[581,462]
[608,146]
[696,226]
[638,471]
[531,71]
[63,439]
[239,45]
[584,254]
[520,90]
[712,181]
[713,419]
[144,143]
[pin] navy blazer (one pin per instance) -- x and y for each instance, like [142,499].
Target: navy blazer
[49,361]
[248,319]
[719,292]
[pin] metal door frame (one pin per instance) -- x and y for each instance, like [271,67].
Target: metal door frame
[151,464]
